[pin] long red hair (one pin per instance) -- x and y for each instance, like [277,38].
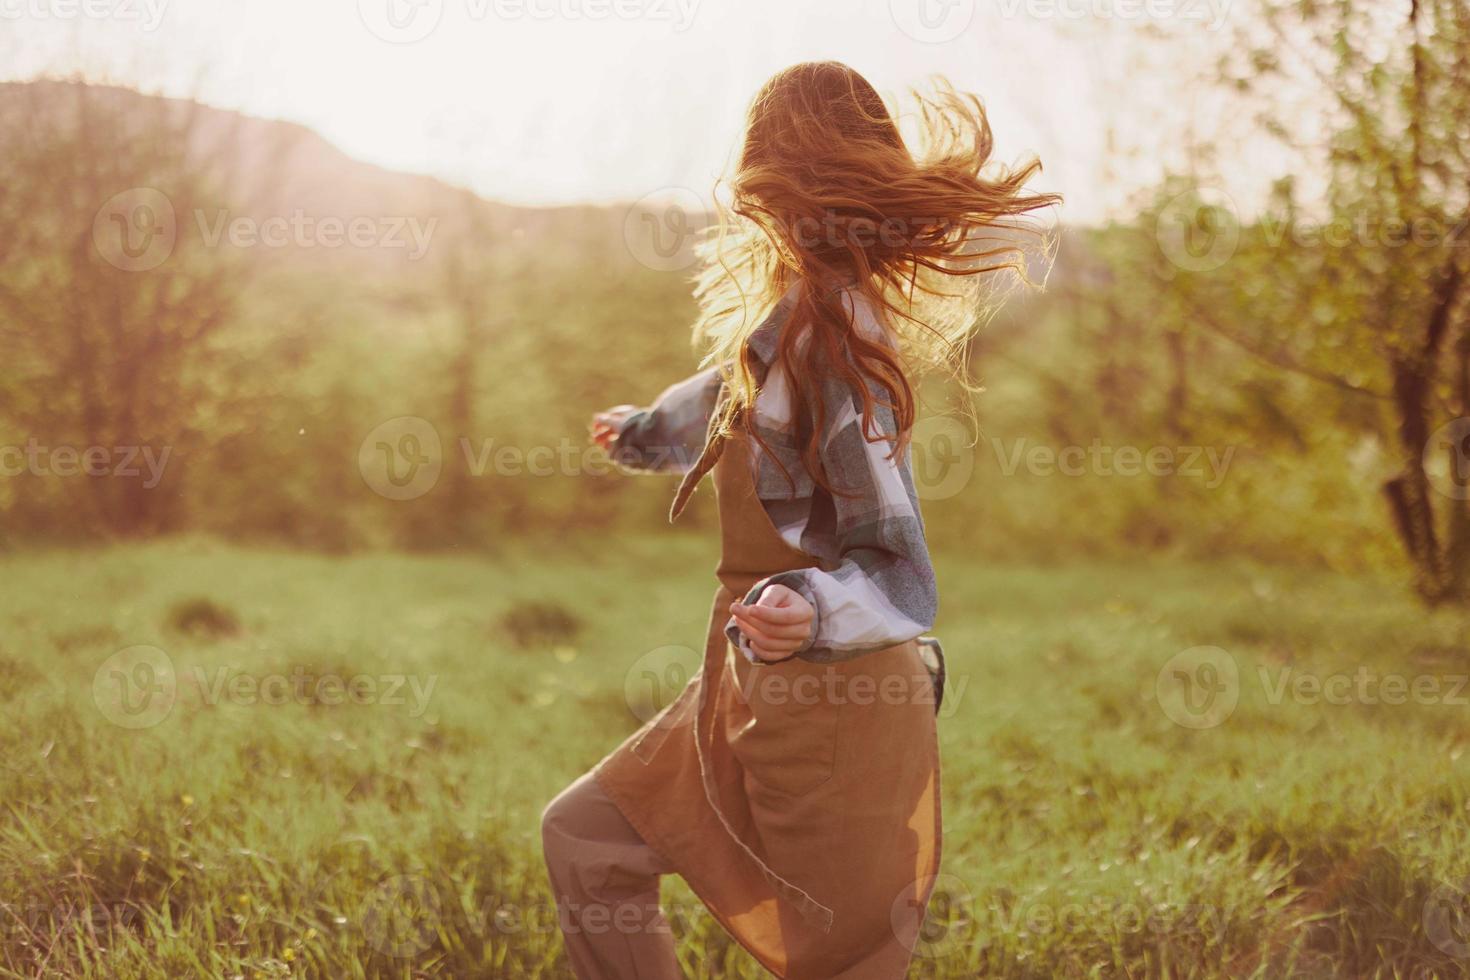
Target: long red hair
[827,193]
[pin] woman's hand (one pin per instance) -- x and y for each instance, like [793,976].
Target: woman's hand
[606,426]
[779,624]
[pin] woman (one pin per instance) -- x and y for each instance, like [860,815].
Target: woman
[794,783]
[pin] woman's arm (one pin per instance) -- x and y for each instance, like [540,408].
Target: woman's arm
[665,437]
[882,590]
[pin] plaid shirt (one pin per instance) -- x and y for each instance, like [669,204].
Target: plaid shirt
[873,586]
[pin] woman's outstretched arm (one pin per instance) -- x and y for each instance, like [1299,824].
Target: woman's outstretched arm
[665,437]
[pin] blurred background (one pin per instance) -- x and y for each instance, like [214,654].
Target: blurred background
[245,236]
[305,308]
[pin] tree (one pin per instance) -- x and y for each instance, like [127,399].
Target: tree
[1366,293]
[109,309]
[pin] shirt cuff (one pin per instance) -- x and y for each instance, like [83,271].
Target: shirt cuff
[794,581]
[627,450]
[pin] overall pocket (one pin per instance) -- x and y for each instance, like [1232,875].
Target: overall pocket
[788,741]
[677,716]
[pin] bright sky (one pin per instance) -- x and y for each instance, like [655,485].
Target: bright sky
[561,101]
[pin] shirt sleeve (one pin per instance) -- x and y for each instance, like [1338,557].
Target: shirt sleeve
[667,436]
[881,591]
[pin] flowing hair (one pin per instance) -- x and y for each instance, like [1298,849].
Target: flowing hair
[827,194]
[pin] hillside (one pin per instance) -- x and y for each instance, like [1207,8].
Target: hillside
[260,169]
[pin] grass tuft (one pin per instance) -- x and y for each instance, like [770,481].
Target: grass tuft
[203,618]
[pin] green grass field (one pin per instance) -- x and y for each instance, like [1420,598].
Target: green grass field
[161,819]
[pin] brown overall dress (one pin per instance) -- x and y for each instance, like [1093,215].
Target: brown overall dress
[799,801]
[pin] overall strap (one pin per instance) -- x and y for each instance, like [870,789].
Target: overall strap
[714,448]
